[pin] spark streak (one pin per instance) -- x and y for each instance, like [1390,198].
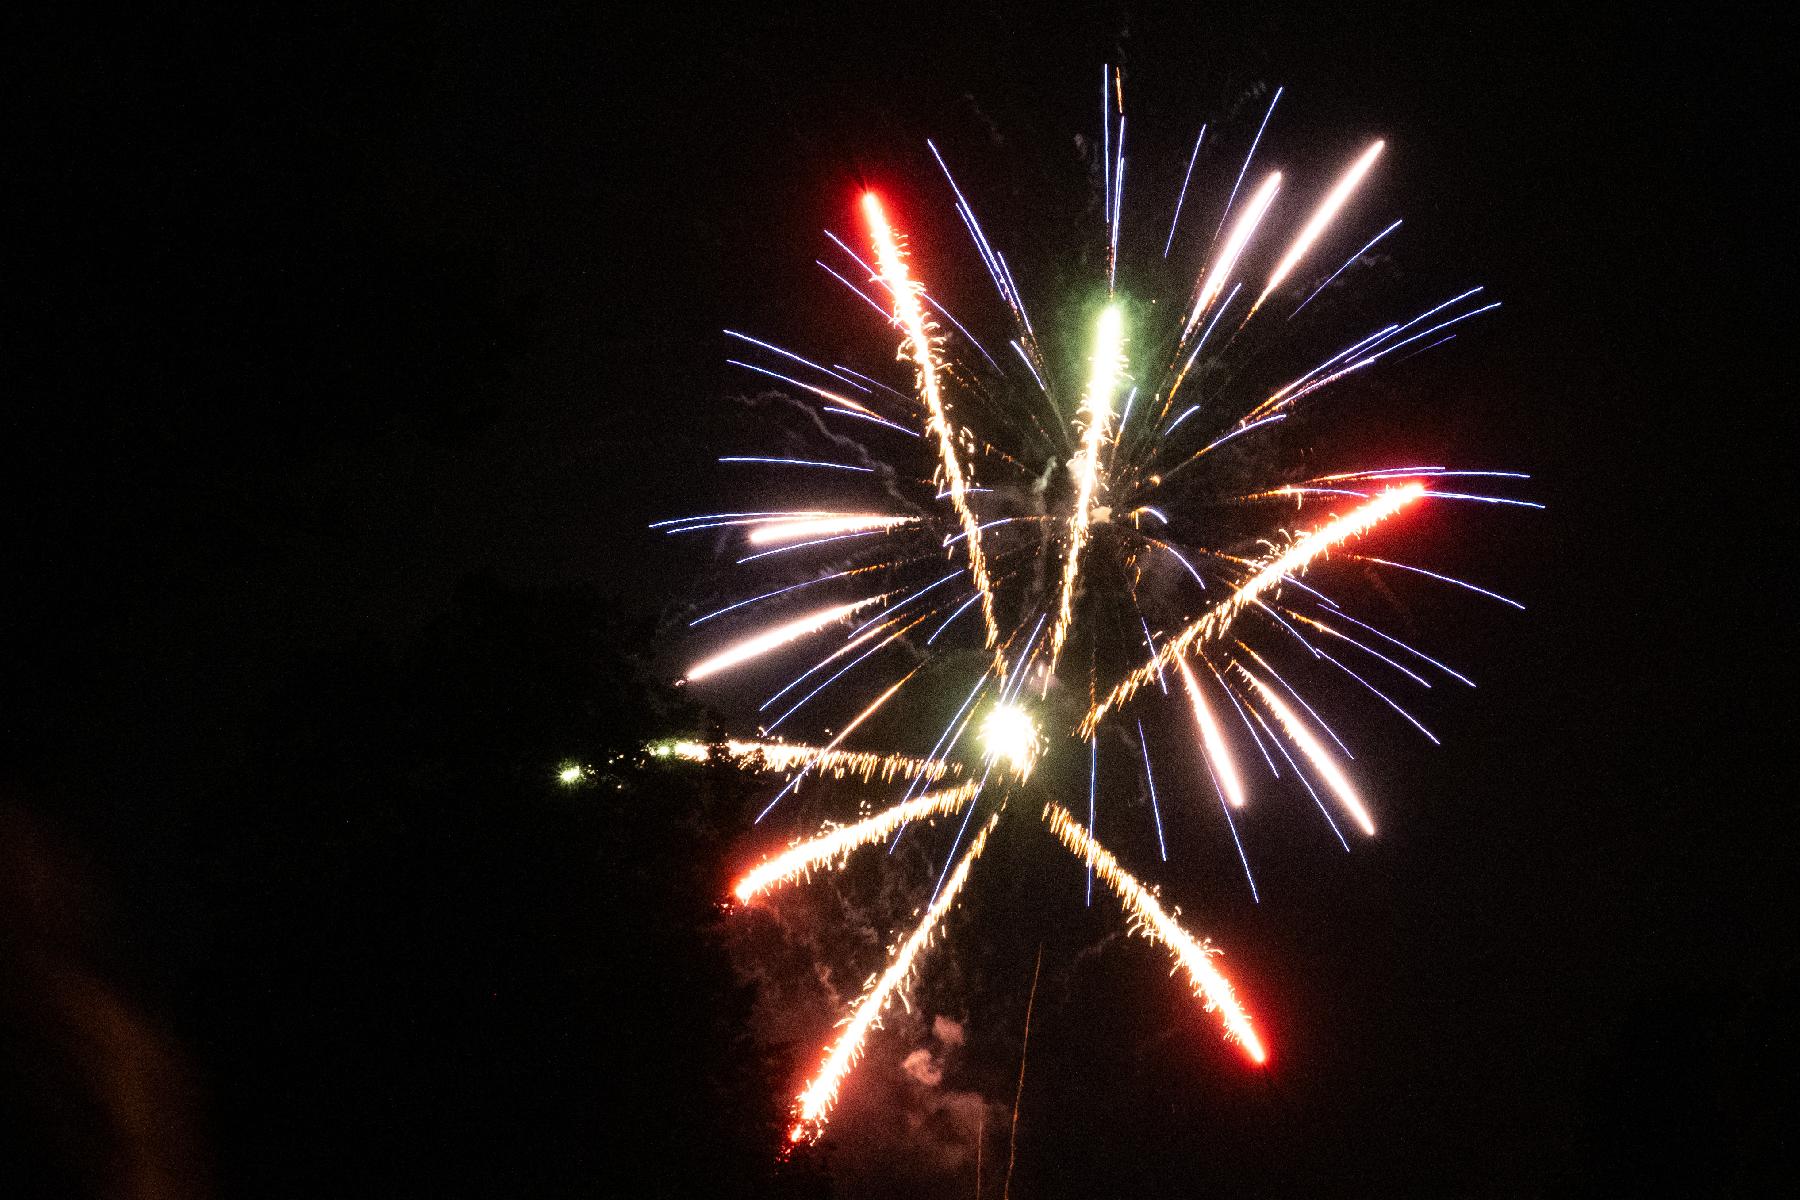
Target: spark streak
[1315,751]
[835,845]
[814,1104]
[1241,233]
[777,637]
[787,529]
[873,707]
[1218,754]
[1150,919]
[785,756]
[1367,246]
[1322,216]
[1295,558]
[1176,219]
[920,347]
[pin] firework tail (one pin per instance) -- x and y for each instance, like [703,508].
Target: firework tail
[1149,918]
[774,639]
[812,1108]
[920,348]
[1296,557]
[1320,219]
[1212,739]
[785,756]
[1097,410]
[833,846]
[1335,780]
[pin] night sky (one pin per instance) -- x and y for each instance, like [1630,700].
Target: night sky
[351,351]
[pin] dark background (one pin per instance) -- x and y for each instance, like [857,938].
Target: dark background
[351,349]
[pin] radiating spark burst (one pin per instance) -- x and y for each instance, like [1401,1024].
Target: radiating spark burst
[1015,482]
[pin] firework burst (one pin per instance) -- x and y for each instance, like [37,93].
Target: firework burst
[1148,524]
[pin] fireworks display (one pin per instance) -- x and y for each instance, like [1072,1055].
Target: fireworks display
[1149,525]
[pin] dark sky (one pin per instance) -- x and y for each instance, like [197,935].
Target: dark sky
[316,314]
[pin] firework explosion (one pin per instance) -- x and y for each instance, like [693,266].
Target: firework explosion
[1108,537]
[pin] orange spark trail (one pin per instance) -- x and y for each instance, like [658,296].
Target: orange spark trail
[785,756]
[920,347]
[868,635]
[1315,751]
[868,712]
[1097,410]
[1217,753]
[1149,918]
[834,846]
[1315,225]
[1296,557]
[813,1105]
[777,637]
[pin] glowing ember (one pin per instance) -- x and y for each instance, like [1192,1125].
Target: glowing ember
[1009,733]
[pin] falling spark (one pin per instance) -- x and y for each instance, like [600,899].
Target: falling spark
[1322,216]
[814,1104]
[1315,752]
[1218,755]
[787,530]
[919,346]
[1150,919]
